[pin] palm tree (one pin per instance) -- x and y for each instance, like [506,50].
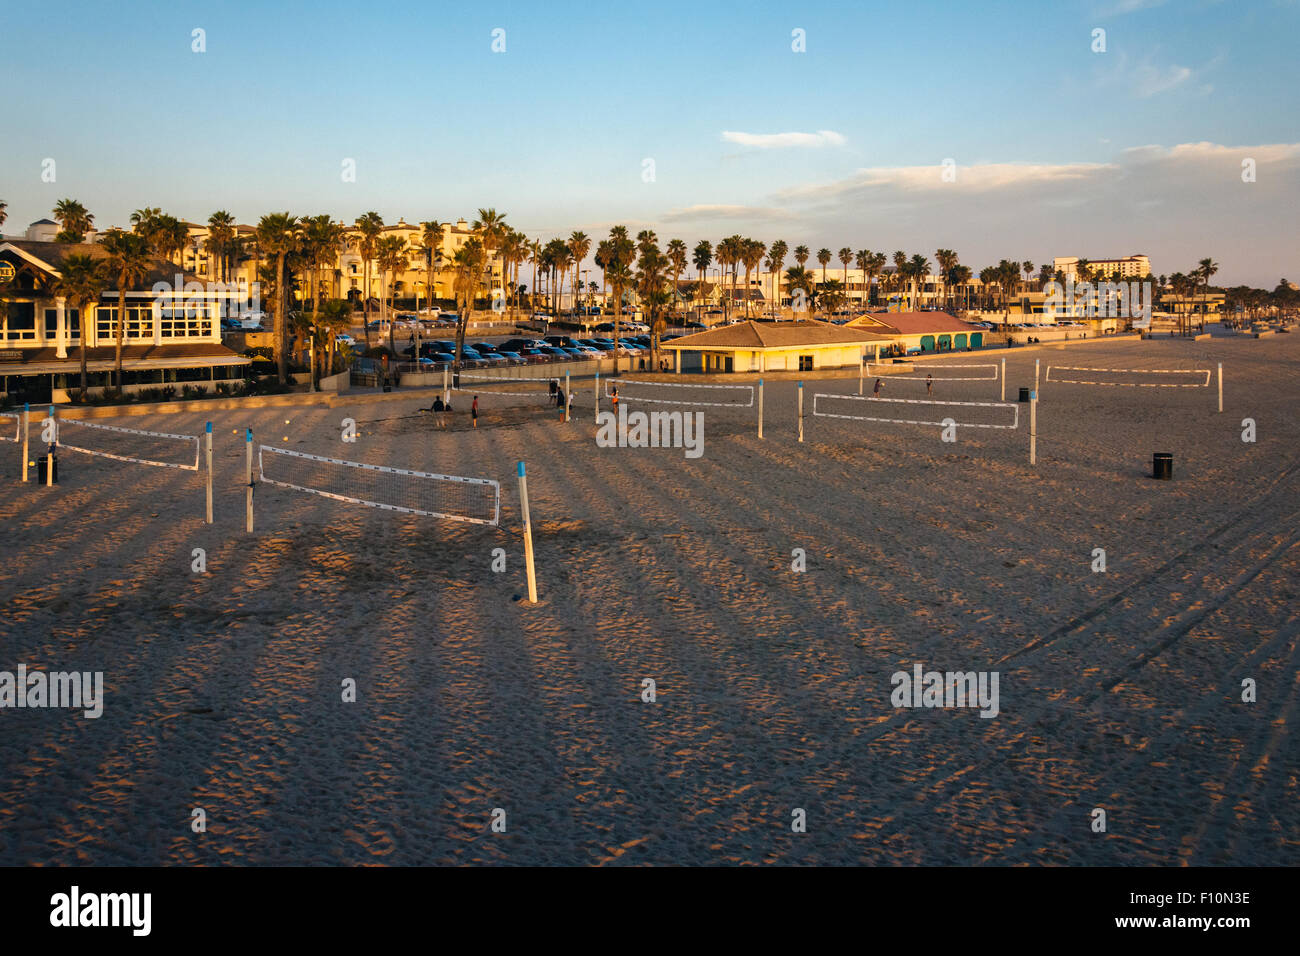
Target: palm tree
[1027,268]
[81,282]
[370,226]
[431,235]
[799,278]
[618,271]
[394,257]
[127,261]
[332,319]
[561,261]
[702,258]
[468,265]
[824,257]
[960,276]
[491,229]
[801,254]
[579,246]
[752,257]
[947,260]
[846,256]
[1205,270]
[650,279]
[776,254]
[830,296]
[74,219]
[676,252]
[918,267]
[278,236]
[221,233]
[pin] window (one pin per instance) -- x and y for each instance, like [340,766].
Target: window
[138,326]
[805,363]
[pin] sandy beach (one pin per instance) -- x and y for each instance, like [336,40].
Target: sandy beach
[1119,690]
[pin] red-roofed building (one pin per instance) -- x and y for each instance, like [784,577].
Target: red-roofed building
[926,331]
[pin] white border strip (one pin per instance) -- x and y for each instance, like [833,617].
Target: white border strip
[496,486]
[669,401]
[1015,407]
[1131,371]
[61,424]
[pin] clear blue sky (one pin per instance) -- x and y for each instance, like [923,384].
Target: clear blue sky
[1046,133]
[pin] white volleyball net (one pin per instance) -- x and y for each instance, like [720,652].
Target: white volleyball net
[158,449]
[11,426]
[506,385]
[1129,377]
[474,500]
[680,393]
[940,373]
[901,411]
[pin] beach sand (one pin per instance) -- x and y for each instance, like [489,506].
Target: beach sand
[1118,690]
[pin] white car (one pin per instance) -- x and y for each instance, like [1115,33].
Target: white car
[639,327]
[345,339]
[435,311]
[252,320]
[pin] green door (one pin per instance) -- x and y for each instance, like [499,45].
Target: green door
[927,343]
[976,339]
[945,341]
[960,341]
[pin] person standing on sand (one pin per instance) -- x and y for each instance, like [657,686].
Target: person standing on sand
[614,396]
[929,385]
[875,392]
[473,411]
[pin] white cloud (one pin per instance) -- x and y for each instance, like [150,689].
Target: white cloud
[1148,79]
[985,177]
[718,211]
[823,137]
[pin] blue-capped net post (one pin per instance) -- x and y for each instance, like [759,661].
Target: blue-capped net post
[528,535]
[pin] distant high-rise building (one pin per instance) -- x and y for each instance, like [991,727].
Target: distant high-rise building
[1136,266]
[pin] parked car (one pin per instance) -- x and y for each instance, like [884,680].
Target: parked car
[587,350]
[636,327]
[560,341]
[252,321]
[344,339]
[554,352]
[443,358]
[231,325]
[533,355]
[514,358]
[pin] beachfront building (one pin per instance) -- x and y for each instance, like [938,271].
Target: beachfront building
[910,332]
[1136,266]
[170,337]
[752,346]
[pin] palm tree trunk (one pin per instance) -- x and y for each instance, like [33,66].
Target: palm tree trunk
[281,325]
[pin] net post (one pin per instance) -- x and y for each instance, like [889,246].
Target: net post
[862,364]
[27,427]
[801,411]
[1036,376]
[446,385]
[760,408]
[311,373]
[1033,427]
[1220,387]
[596,392]
[1004,380]
[208,447]
[49,452]
[528,535]
[568,396]
[248,475]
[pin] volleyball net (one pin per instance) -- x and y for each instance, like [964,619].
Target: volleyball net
[899,411]
[1129,377]
[938,373]
[473,500]
[681,393]
[157,449]
[11,426]
[503,385]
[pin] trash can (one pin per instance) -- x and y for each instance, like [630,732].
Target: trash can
[41,464]
[1162,466]
[1024,394]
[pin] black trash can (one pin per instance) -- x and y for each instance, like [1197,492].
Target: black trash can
[41,464]
[1024,394]
[1162,466]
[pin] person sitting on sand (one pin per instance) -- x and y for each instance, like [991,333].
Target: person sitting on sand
[438,408]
